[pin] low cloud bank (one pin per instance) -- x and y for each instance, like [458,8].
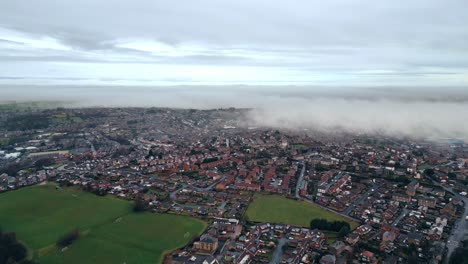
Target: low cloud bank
[396,111]
[382,116]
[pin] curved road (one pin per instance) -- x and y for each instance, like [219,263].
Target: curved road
[297,194]
[276,257]
[459,232]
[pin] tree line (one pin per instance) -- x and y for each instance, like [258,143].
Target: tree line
[68,238]
[11,250]
[460,254]
[342,227]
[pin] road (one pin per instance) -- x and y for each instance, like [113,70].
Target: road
[276,257]
[298,196]
[199,189]
[361,198]
[173,194]
[403,213]
[93,149]
[459,232]
[300,180]
[210,187]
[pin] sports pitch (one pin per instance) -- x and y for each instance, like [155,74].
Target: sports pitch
[279,209]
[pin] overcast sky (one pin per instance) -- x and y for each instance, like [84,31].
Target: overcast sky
[300,42]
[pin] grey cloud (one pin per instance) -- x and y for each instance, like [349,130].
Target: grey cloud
[11,42]
[337,42]
[346,44]
[396,118]
[429,25]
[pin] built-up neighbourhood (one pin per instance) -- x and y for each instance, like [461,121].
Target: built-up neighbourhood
[407,196]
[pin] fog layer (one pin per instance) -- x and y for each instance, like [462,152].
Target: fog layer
[397,111]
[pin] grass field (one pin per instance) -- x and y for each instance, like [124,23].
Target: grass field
[279,209]
[423,167]
[111,233]
[26,106]
[331,237]
[3,142]
[63,118]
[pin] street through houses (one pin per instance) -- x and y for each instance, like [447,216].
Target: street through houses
[276,257]
[299,197]
[364,196]
[459,232]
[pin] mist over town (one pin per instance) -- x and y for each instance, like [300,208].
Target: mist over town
[418,112]
[233,132]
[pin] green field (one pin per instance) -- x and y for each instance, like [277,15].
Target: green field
[279,209]
[423,167]
[27,106]
[110,232]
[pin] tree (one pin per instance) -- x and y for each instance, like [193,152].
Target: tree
[68,238]
[151,153]
[11,251]
[423,225]
[343,231]
[410,250]
[429,172]
[452,175]
[334,226]
[44,162]
[320,167]
[27,122]
[139,205]
[460,253]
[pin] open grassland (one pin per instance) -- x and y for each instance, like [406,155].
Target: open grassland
[110,232]
[279,209]
[135,238]
[27,106]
